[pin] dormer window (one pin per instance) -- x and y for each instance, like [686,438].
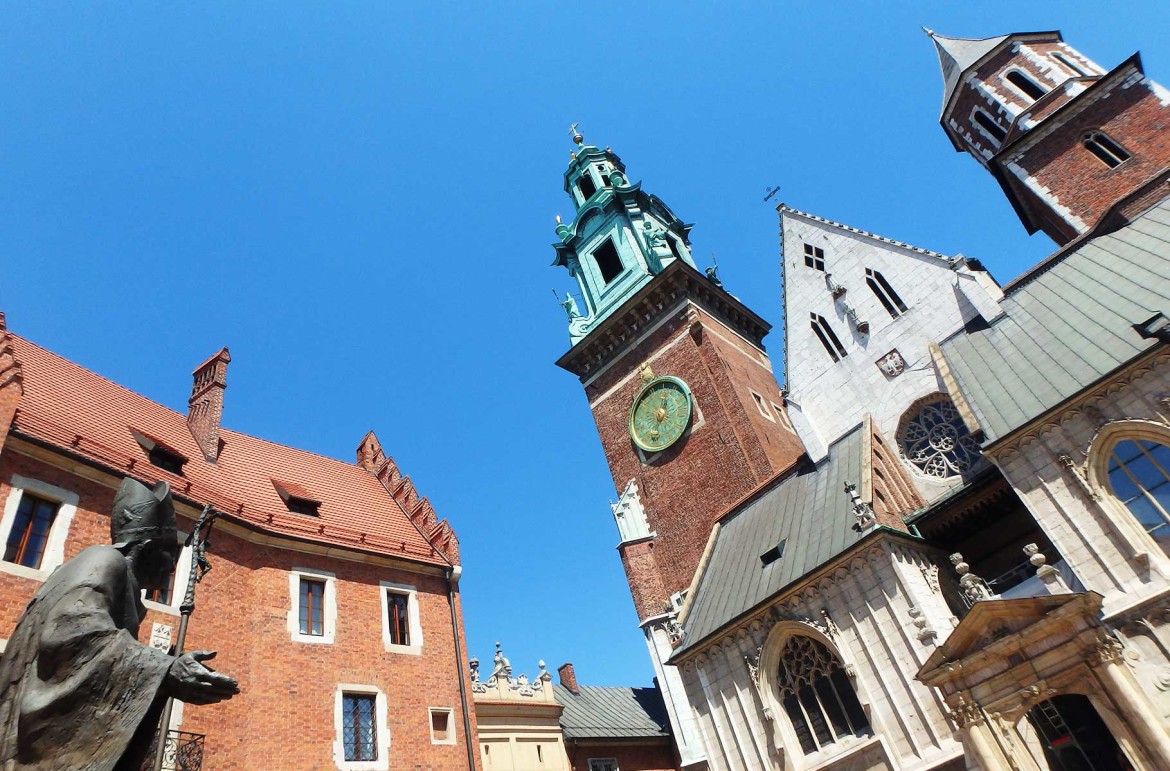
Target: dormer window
[1028,87]
[1107,151]
[608,261]
[297,499]
[160,454]
[586,186]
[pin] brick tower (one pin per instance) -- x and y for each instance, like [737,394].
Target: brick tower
[1073,146]
[690,416]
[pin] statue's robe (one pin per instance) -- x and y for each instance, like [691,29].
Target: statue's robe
[77,689]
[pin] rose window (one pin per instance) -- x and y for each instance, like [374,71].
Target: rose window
[937,441]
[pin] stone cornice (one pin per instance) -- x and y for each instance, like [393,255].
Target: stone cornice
[676,282]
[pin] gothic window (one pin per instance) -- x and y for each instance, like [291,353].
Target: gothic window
[817,696]
[30,531]
[608,261]
[1137,473]
[814,257]
[885,293]
[934,438]
[1026,85]
[359,731]
[1107,151]
[988,124]
[827,337]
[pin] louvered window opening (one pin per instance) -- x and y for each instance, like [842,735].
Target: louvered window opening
[885,293]
[312,607]
[1105,149]
[396,615]
[827,337]
[1139,473]
[30,531]
[358,726]
[817,696]
[937,441]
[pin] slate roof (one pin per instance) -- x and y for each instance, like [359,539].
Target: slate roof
[809,509]
[612,713]
[956,55]
[1065,325]
[82,413]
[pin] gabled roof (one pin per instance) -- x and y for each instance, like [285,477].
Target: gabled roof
[956,55]
[809,510]
[612,713]
[1067,326]
[784,210]
[81,413]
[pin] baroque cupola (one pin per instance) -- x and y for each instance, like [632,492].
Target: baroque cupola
[618,239]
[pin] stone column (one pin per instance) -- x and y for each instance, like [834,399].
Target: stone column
[977,737]
[1141,719]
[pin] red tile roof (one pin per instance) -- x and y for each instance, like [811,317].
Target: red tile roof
[69,407]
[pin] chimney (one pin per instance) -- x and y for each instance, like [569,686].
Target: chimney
[205,408]
[568,677]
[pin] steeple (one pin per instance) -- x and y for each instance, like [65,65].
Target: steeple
[956,55]
[619,237]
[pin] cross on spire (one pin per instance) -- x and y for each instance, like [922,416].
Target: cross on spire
[575,133]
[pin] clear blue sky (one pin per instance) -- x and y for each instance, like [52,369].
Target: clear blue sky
[358,199]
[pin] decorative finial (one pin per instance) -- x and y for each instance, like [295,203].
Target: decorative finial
[559,219]
[862,511]
[575,133]
[929,32]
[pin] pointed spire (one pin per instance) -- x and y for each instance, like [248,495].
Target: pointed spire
[956,55]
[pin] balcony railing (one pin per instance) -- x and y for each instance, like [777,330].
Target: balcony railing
[183,752]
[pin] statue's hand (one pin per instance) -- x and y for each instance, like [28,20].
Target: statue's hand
[189,681]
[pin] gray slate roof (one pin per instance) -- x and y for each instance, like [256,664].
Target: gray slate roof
[809,509]
[1067,326]
[612,713]
[956,55]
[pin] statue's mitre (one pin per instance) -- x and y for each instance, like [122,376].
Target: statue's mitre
[141,513]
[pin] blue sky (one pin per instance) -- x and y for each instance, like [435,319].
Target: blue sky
[359,199]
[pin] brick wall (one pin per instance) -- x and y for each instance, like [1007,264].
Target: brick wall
[657,756]
[284,716]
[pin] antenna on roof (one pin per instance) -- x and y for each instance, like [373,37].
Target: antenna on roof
[771,192]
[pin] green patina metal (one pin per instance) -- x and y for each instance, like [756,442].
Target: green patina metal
[661,413]
[620,237]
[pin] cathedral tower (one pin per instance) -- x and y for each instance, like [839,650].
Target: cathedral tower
[1069,142]
[687,407]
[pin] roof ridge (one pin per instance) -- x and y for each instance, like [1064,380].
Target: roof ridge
[783,207]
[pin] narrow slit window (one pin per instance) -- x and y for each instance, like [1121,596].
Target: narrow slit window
[814,257]
[988,124]
[828,337]
[396,616]
[586,186]
[1107,151]
[1026,85]
[1067,62]
[608,261]
[885,293]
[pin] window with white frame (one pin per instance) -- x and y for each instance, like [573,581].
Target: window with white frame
[989,126]
[1102,146]
[442,725]
[1025,84]
[34,527]
[817,696]
[401,627]
[360,725]
[312,615]
[1139,475]
[603,764]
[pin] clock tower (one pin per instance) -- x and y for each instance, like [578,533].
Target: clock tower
[687,407]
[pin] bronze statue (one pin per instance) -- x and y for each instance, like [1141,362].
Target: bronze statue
[77,689]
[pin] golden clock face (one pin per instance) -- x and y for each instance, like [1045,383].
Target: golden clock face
[661,414]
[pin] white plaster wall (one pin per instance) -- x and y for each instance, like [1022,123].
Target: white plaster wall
[868,602]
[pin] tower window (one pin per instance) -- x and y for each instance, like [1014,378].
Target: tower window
[988,124]
[586,186]
[601,172]
[814,257]
[885,293]
[818,696]
[1027,86]
[1067,62]
[828,337]
[608,261]
[1109,152]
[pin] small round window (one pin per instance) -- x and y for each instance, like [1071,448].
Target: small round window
[934,438]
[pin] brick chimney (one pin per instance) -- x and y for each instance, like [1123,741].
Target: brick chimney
[568,677]
[205,408]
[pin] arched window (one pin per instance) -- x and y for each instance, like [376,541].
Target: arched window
[817,696]
[935,439]
[1027,86]
[885,293]
[1107,151]
[989,126]
[827,337]
[1138,473]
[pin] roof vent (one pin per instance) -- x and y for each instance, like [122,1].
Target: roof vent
[773,554]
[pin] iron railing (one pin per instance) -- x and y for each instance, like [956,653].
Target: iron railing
[183,752]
